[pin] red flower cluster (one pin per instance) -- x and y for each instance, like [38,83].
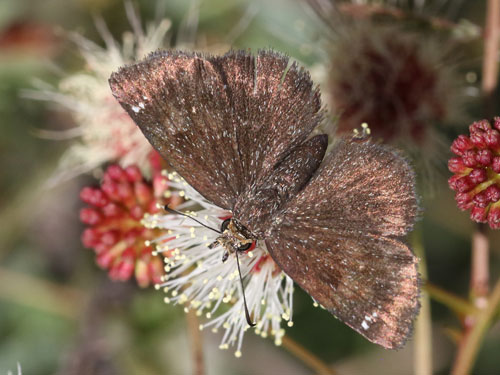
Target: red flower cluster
[477,172]
[114,217]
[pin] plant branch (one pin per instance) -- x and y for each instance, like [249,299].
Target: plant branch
[457,304]
[472,340]
[490,55]
[423,326]
[306,357]
[196,340]
[479,267]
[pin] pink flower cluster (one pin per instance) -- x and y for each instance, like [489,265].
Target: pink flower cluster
[477,172]
[115,232]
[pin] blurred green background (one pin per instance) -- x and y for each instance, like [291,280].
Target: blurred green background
[59,314]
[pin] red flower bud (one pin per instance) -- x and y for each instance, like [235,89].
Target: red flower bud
[461,144]
[462,184]
[493,193]
[115,172]
[484,157]
[456,165]
[90,216]
[494,218]
[476,170]
[495,164]
[478,214]
[90,237]
[464,200]
[478,176]
[133,173]
[493,139]
[481,199]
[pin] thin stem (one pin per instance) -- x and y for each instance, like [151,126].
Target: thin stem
[490,55]
[306,357]
[456,303]
[476,325]
[472,341]
[478,295]
[196,339]
[423,326]
[479,267]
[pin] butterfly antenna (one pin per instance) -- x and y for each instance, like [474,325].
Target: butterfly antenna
[247,314]
[171,210]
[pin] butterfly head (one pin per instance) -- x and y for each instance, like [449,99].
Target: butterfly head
[234,237]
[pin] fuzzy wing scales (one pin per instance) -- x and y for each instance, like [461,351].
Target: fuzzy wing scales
[360,185]
[340,240]
[221,122]
[263,200]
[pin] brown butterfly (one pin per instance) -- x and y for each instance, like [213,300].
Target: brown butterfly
[238,129]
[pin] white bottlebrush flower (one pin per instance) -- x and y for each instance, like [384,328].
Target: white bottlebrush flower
[198,279]
[104,132]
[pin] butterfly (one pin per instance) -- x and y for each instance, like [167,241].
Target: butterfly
[239,129]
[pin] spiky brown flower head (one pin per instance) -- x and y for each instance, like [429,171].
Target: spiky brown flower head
[103,131]
[391,79]
[422,15]
[114,214]
[477,172]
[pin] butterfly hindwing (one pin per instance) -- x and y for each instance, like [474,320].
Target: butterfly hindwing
[368,282]
[360,185]
[339,239]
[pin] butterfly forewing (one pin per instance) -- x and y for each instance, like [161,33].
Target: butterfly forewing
[221,122]
[338,239]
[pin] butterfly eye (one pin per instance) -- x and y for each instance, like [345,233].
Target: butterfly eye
[224,225]
[244,247]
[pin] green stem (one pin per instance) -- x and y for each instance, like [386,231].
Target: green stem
[196,340]
[457,304]
[471,341]
[306,357]
[423,325]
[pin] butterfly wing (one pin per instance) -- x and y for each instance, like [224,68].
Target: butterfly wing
[340,240]
[222,123]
